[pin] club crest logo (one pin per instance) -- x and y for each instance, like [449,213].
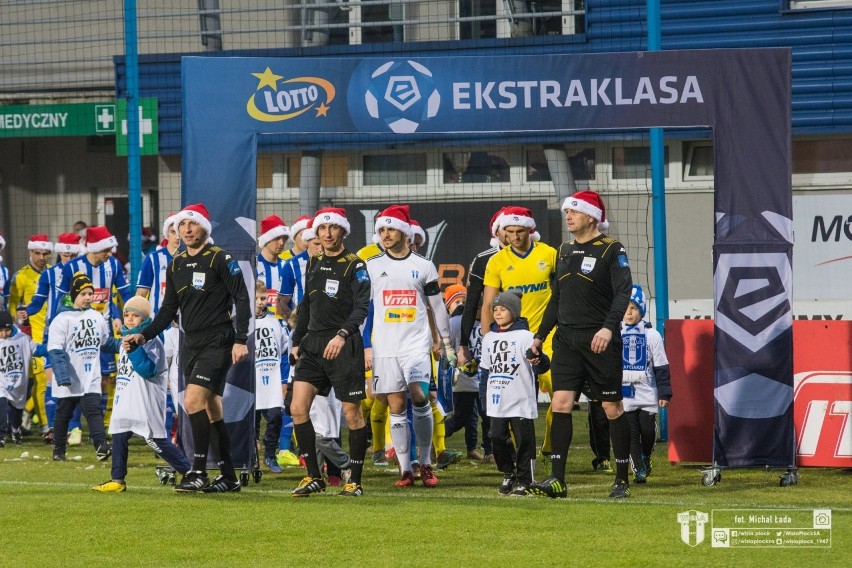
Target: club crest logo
[692,526]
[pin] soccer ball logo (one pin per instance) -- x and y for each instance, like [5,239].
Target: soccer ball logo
[403,95]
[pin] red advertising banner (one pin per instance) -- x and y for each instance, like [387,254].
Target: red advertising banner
[689,347]
[822,411]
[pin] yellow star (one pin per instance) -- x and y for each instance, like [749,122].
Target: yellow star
[268,79]
[322,110]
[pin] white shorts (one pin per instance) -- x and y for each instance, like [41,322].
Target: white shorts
[394,374]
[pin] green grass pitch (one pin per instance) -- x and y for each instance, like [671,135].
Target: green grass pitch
[49,516]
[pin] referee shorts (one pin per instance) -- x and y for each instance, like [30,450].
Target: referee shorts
[345,372]
[208,358]
[575,367]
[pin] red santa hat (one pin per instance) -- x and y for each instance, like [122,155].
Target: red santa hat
[99,239]
[148,235]
[332,216]
[494,226]
[395,217]
[68,243]
[39,242]
[196,213]
[300,224]
[308,233]
[590,203]
[416,229]
[167,224]
[517,217]
[271,228]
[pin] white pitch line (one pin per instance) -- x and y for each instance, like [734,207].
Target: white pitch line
[428,494]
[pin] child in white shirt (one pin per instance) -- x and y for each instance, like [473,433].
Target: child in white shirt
[512,393]
[76,337]
[139,405]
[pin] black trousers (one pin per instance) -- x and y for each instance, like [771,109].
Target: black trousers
[274,418]
[90,405]
[465,416]
[524,433]
[598,431]
[643,435]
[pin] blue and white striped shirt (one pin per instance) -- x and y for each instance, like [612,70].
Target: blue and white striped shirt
[270,273]
[293,281]
[5,285]
[103,276]
[152,276]
[48,282]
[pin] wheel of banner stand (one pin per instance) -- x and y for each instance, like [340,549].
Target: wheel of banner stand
[790,477]
[711,476]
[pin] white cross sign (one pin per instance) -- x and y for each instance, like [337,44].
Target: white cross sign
[146,126]
[105,118]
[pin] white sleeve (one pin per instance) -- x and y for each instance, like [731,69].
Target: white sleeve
[656,351]
[439,311]
[284,338]
[169,345]
[106,329]
[485,354]
[56,333]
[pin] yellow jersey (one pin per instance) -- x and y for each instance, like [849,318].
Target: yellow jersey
[529,273]
[22,289]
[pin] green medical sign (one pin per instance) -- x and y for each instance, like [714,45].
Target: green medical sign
[82,119]
[148,127]
[77,119]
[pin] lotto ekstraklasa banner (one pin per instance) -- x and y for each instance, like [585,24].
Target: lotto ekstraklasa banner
[742,94]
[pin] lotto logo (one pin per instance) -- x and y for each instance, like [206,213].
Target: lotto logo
[399,297]
[823,406]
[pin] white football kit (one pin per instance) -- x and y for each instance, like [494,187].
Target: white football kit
[401,337]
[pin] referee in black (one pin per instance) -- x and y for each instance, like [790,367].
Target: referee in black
[593,284]
[329,349]
[203,283]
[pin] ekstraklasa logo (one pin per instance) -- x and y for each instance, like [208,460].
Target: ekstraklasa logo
[403,95]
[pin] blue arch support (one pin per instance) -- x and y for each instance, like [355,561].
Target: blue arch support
[743,95]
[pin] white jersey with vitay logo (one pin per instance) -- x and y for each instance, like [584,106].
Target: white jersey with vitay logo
[400,319]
